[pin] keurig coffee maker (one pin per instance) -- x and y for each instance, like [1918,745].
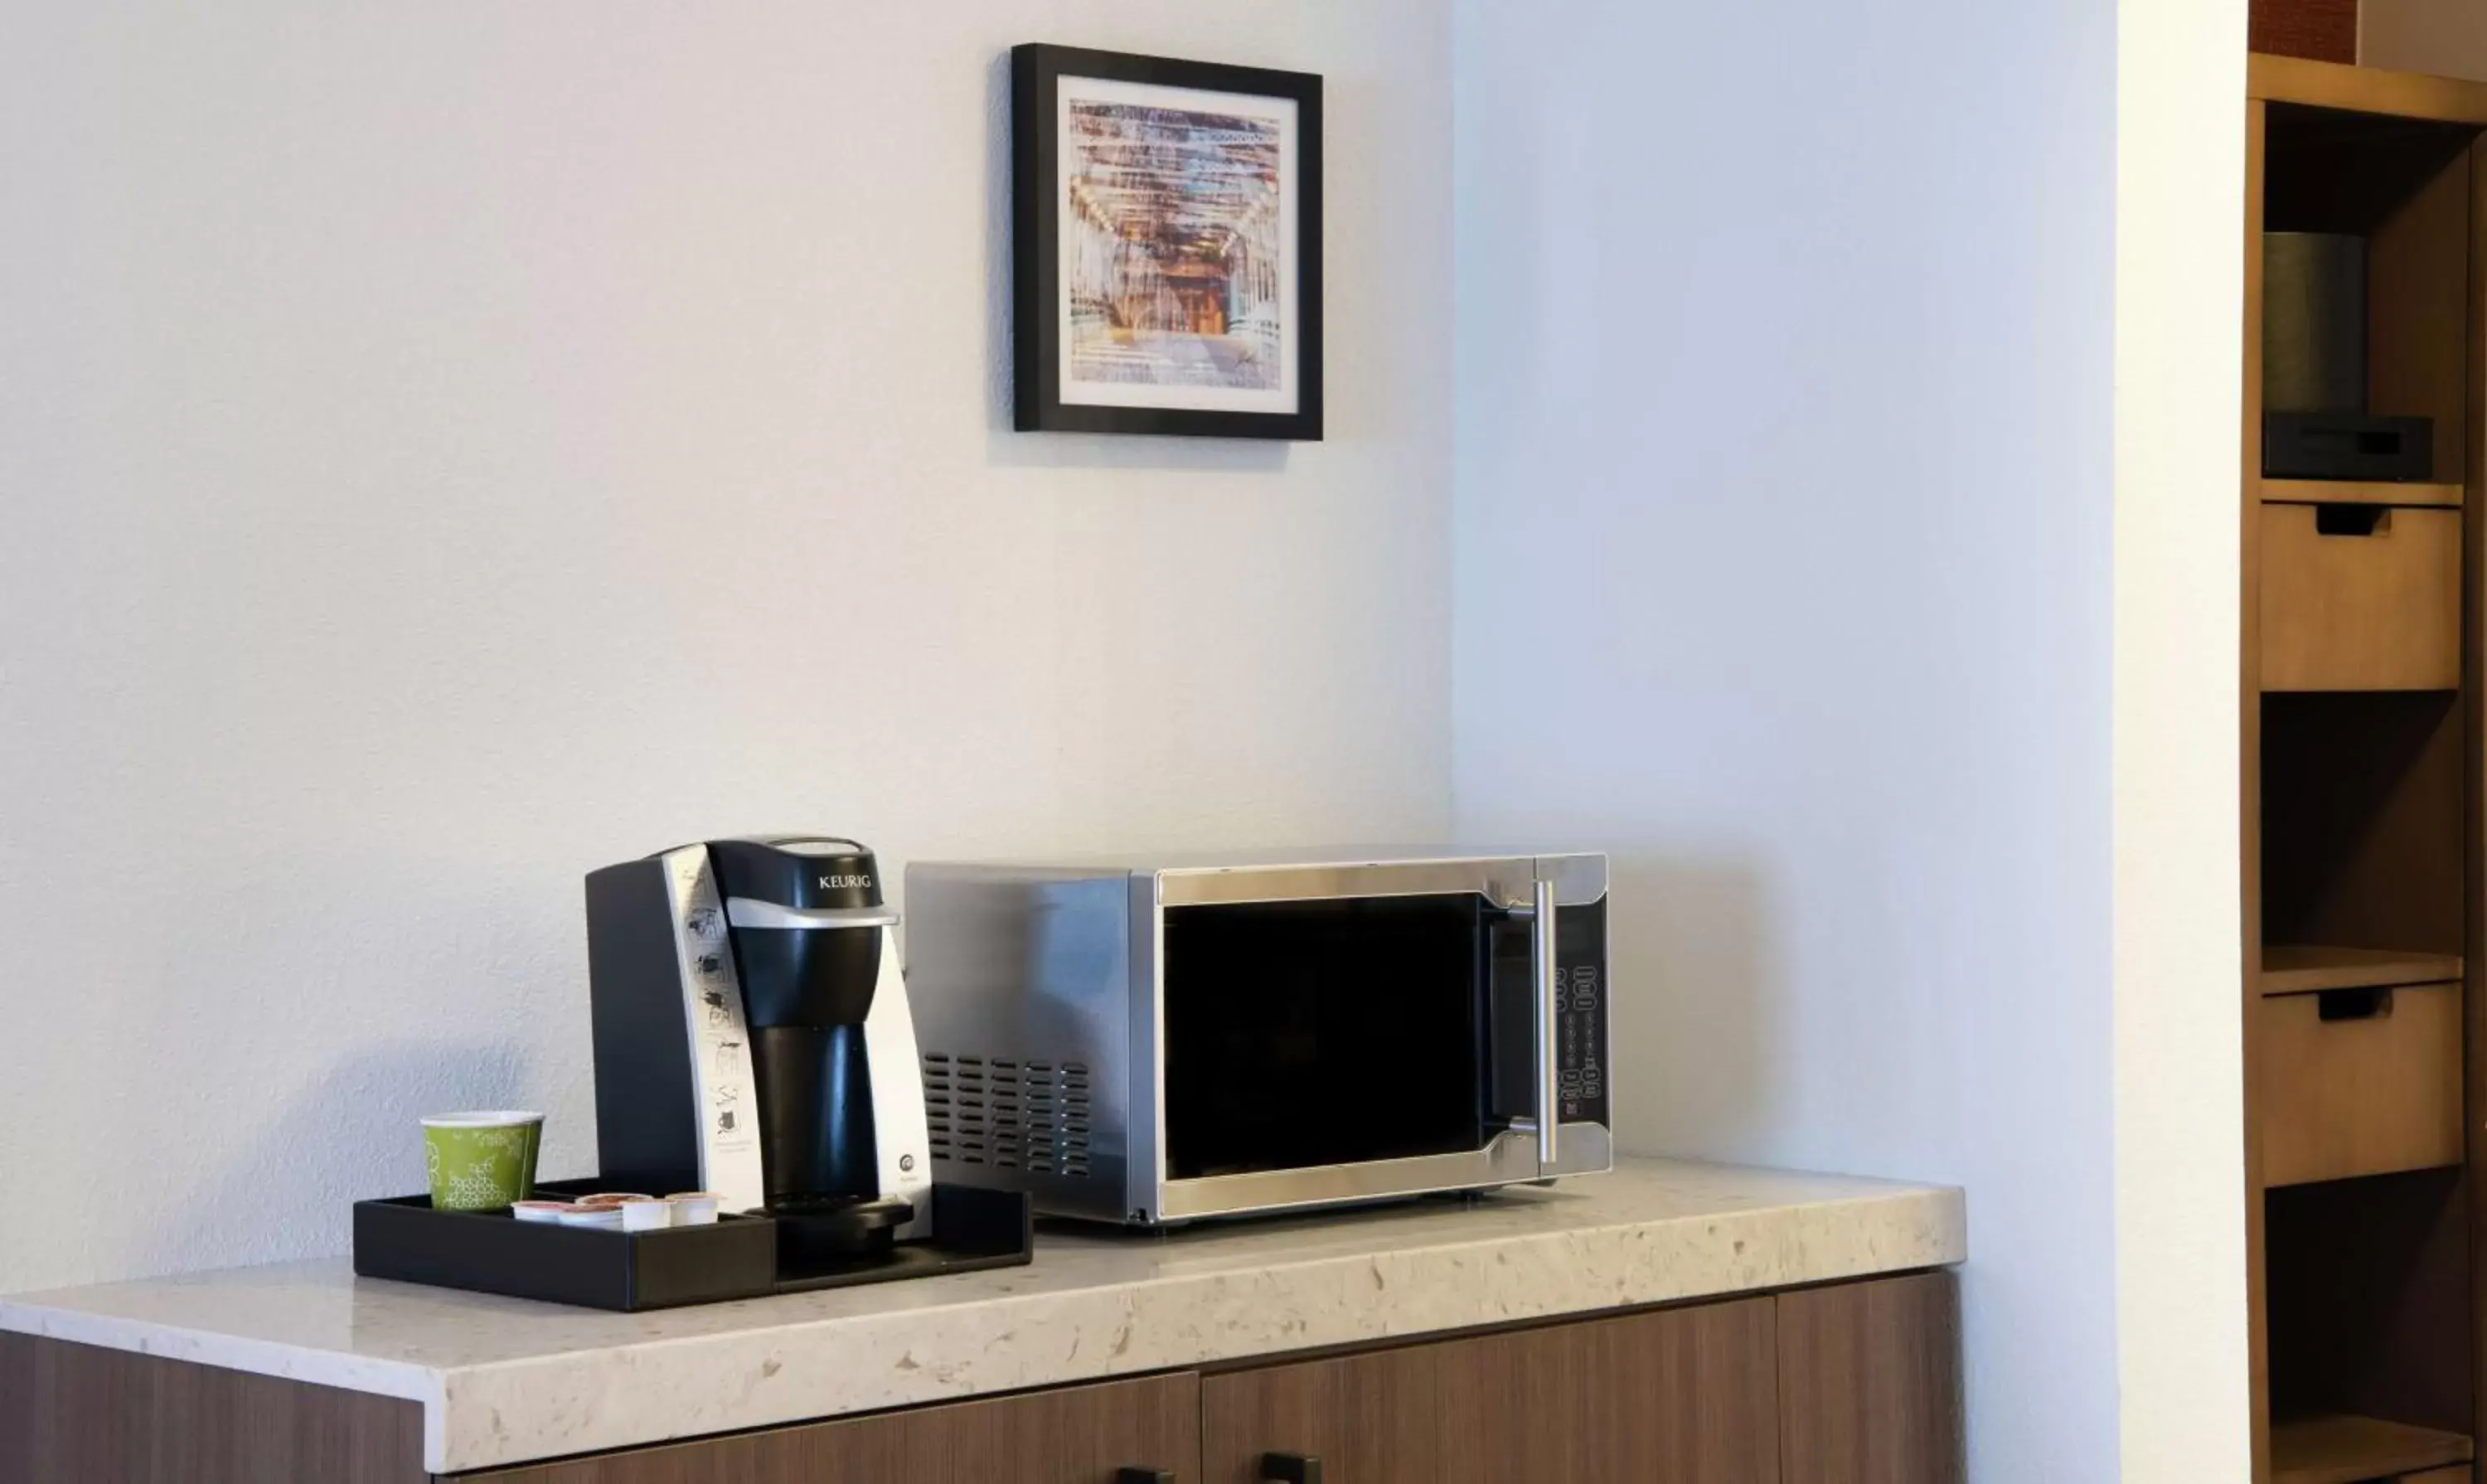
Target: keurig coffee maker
[752,1038]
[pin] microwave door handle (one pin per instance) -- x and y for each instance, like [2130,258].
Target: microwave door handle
[1542,977]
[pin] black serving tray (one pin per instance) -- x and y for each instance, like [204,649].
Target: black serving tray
[493,1253]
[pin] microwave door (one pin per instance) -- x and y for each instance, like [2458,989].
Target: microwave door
[1319,1034]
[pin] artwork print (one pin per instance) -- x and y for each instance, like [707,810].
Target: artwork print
[1176,285]
[1166,231]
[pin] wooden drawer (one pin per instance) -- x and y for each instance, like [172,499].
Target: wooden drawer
[2458,1473]
[2373,1089]
[1686,1396]
[2343,610]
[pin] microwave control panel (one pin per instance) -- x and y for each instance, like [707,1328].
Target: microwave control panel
[1581,1012]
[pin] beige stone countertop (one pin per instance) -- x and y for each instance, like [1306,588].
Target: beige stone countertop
[506,1381]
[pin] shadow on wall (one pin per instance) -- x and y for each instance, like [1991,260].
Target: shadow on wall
[353,1133]
[1004,446]
[1688,938]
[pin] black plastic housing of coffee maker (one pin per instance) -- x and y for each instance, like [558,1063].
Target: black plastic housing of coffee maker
[806,992]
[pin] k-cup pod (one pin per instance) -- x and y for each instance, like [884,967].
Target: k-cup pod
[609,1199]
[594,1217]
[646,1215]
[547,1210]
[694,1208]
[481,1161]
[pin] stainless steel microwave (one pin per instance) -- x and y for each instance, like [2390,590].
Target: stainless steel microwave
[1156,1041]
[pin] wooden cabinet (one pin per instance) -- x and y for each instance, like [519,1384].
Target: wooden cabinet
[1077,1435]
[1870,1383]
[85,1415]
[1680,1396]
[1853,1383]
[1858,1383]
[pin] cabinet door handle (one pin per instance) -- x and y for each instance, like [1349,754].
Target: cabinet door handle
[2352,1005]
[1291,1468]
[1144,1476]
[2353,520]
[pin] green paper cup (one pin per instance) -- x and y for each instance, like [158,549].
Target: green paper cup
[481,1161]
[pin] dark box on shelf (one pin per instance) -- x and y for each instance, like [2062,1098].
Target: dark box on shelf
[2347,445]
[492,1251]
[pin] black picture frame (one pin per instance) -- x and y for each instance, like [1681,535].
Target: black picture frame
[1037,195]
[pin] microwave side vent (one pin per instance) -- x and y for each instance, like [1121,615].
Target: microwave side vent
[996,1110]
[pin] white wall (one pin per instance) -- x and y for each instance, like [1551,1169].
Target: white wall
[2180,1139]
[1783,529]
[447,447]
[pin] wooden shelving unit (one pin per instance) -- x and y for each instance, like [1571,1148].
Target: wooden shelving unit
[2365,857]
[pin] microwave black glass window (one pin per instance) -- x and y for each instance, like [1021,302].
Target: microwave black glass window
[1326,1032]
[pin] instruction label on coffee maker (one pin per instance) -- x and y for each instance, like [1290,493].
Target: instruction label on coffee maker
[720,1044]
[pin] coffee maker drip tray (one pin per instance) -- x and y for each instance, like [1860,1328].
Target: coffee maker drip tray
[787,1250]
[830,1235]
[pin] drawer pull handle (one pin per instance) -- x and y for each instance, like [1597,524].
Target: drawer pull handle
[2343,520]
[2353,1005]
[1144,1476]
[1290,1469]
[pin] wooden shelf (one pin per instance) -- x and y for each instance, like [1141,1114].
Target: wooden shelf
[2365,89]
[2348,491]
[2298,968]
[2340,1449]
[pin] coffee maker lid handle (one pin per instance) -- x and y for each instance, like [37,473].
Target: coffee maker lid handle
[815,845]
[751,912]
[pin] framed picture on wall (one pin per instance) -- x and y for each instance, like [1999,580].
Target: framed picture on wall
[1166,246]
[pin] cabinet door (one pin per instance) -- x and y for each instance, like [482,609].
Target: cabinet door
[1678,1396]
[1869,1382]
[1079,1435]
